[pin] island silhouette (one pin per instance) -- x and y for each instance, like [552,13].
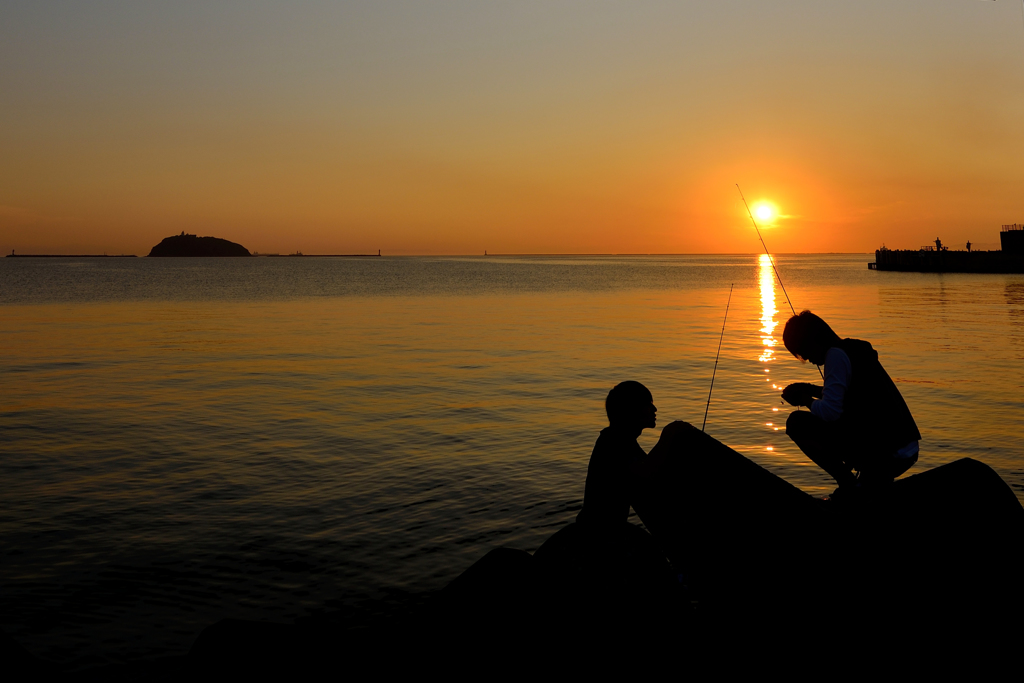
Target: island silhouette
[191,245]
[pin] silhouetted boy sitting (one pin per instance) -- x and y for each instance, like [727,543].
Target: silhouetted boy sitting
[606,498]
[858,420]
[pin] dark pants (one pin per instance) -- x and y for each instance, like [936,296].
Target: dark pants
[833,452]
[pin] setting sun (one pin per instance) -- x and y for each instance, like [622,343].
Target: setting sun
[764,212]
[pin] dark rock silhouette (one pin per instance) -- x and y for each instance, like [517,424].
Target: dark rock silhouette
[234,647]
[937,552]
[504,580]
[190,245]
[740,570]
[20,663]
[607,575]
[571,601]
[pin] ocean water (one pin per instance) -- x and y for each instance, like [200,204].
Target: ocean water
[184,440]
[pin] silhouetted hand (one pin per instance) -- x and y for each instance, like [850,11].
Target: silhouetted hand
[800,394]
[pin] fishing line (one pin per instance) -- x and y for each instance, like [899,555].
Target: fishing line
[771,260]
[720,338]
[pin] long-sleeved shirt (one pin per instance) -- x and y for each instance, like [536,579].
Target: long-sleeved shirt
[837,378]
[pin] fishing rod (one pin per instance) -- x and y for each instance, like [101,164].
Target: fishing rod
[713,372]
[770,259]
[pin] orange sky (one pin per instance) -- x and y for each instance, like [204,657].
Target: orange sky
[557,127]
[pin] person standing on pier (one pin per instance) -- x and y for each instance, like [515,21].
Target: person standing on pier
[858,421]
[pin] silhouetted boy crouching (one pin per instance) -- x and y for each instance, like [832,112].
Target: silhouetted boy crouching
[858,420]
[606,497]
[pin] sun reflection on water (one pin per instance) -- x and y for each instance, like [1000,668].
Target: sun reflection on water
[768,310]
[766,281]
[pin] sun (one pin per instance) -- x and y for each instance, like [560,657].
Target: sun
[764,212]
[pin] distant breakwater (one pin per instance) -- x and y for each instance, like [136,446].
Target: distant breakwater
[70,255]
[946,261]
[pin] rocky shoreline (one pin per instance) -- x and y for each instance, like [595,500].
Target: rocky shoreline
[930,564]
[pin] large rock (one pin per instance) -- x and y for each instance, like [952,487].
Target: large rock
[18,664]
[236,647]
[937,554]
[600,577]
[573,603]
[190,245]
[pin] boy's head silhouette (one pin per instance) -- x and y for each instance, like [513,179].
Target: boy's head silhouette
[808,337]
[630,407]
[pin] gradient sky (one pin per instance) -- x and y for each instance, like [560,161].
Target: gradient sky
[525,127]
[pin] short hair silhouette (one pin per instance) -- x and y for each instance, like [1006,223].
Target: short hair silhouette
[625,400]
[805,331]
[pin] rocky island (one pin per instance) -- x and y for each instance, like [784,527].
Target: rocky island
[191,245]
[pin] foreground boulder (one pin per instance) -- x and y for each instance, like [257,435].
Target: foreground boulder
[601,577]
[935,555]
[583,583]
[728,579]
[741,573]
[573,602]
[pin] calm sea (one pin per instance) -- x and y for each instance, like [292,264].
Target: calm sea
[183,440]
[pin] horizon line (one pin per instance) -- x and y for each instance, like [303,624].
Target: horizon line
[473,255]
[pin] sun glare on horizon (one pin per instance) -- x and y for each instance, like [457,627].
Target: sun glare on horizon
[764,211]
